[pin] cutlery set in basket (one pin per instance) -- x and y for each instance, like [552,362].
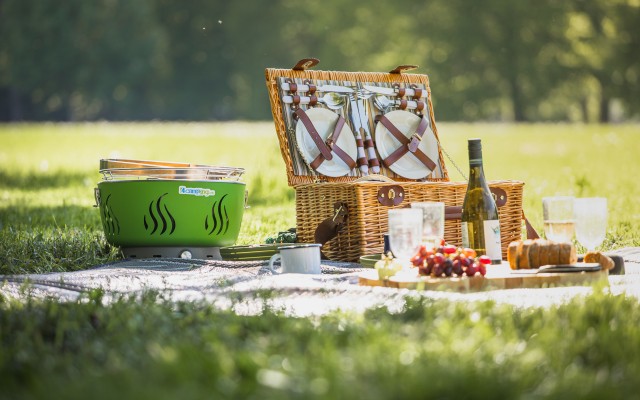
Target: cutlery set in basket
[358,143]
[333,122]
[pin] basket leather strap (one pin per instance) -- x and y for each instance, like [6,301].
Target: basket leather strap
[362,158]
[452,212]
[332,144]
[417,137]
[408,145]
[324,150]
[368,144]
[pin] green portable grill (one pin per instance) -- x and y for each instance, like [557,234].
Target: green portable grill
[160,209]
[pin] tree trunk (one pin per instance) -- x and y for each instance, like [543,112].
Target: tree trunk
[604,100]
[604,112]
[15,105]
[585,110]
[516,100]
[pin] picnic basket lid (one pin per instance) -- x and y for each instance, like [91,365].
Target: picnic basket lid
[307,84]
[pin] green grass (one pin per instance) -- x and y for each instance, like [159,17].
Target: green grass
[150,348]
[146,347]
[48,172]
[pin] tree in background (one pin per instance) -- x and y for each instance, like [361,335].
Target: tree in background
[79,60]
[204,59]
[344,36]
[605,55]
[495,59]
[200,58]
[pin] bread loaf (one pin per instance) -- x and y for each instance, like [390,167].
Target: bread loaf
[596,257]
[527,254]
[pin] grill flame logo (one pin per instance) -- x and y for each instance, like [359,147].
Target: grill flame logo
[159,217]
[110,223]
[219,218]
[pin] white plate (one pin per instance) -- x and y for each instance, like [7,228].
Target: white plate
[324,122]
[408,166]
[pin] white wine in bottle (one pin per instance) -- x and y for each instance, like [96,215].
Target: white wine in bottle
[480,224]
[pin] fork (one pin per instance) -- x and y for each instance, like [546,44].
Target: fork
[364,94]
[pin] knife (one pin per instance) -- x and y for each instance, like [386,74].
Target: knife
[368,143]
[323,88]
[578,267]
[357,125]
[391,91]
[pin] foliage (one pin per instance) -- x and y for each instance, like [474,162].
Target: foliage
[72,61]
[149,347]
[53,250]
[500,58]
[574,60]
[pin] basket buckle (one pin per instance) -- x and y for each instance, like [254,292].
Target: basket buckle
[390,195]
[499,196]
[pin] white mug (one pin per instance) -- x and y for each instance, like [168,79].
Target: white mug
[297,259]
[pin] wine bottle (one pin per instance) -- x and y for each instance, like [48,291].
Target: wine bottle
[480,223]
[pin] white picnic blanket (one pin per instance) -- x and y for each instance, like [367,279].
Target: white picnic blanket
[242,285]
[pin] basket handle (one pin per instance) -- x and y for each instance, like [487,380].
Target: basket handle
[305,64]
[403,68]
[331,227]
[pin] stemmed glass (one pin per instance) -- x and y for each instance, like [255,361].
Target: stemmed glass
[591,221]
[405,232]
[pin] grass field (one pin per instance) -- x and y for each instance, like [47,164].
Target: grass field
[150,348]
[48,172]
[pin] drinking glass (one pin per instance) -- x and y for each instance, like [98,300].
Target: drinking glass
[432,222]
[405,232]
[591,221]
[559,222]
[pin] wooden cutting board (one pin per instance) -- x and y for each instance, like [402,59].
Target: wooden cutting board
[497,277]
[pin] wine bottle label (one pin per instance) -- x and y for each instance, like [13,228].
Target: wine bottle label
[465,234]
[492,241]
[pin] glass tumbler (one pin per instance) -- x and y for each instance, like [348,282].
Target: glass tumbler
[405,232]
[432,222]
[559,222]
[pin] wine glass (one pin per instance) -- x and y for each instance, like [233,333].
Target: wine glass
[559,219]
[405,232]
[591,221]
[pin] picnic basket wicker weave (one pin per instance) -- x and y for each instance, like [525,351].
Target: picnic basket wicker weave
[367,200]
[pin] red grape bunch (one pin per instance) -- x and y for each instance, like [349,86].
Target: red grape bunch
[449,260]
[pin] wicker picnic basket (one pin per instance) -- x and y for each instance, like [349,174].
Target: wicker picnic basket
[362,200]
